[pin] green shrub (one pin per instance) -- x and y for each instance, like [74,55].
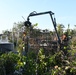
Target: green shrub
[73,41]
[37,64]
[8,61]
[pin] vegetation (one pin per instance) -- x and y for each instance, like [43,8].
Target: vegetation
[32,64]
[57,63]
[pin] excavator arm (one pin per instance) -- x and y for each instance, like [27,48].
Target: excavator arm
[34,13]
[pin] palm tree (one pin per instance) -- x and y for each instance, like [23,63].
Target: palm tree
[60,29]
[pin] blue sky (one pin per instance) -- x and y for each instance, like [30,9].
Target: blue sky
[12,11]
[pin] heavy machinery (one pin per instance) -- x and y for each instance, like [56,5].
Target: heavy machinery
[34,13]
[53,44]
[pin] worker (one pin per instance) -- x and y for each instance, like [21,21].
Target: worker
[64,38]
[64,46]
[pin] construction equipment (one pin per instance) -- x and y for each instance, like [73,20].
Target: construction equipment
[27,24]
[34,13]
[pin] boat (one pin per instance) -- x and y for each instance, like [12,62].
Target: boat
[5,45]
